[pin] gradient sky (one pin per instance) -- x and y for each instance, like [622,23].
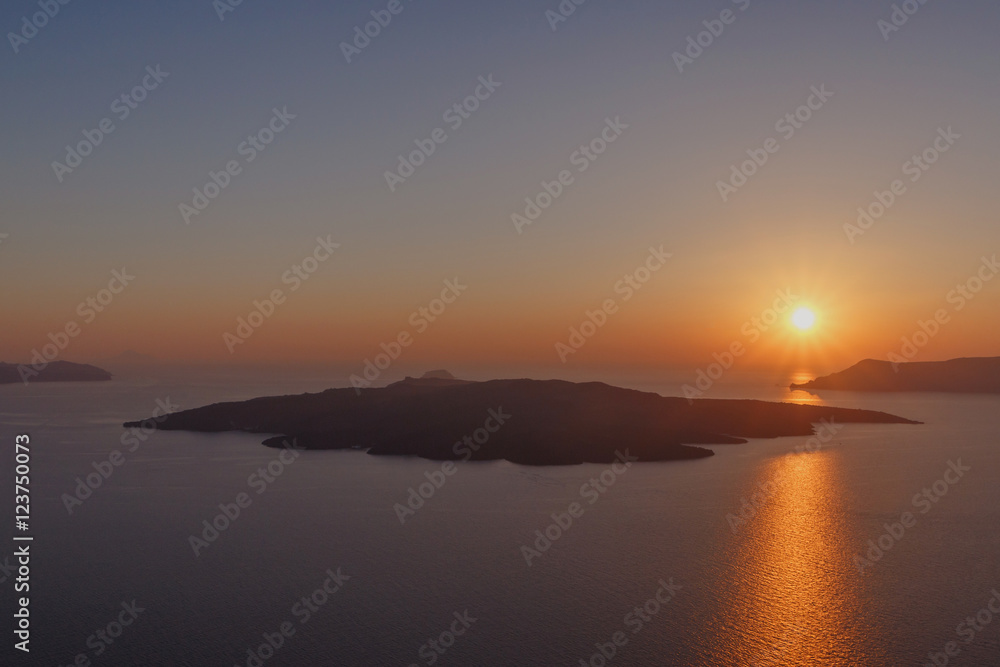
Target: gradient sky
[657,184]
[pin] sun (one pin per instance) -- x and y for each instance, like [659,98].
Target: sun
[804,318]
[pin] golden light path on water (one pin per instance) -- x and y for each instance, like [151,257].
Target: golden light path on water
[792,596]
[798,395]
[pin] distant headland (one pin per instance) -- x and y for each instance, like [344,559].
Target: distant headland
[531,422]
[970,375]
[53,371]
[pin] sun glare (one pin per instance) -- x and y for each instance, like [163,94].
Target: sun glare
[804,319]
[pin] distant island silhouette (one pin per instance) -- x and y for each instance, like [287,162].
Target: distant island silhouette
[54,371]
[531,422]
[968,375]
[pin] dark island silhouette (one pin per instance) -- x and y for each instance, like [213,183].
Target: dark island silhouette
[531,422]
[54,371]
[968,375]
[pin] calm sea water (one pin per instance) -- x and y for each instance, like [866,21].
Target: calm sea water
[781,587]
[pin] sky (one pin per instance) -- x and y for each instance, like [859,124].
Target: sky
[648,132]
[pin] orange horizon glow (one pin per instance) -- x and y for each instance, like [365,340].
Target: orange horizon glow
[640,333]
[703,301]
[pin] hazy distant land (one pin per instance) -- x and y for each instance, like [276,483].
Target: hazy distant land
[971,375]
[533,422]
[54,371]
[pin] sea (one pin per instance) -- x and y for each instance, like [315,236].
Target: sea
[865,545]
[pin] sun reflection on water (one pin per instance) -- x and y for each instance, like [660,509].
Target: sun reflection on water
[793,597]
[800,396]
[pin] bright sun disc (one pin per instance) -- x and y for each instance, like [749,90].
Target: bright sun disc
[804,318]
